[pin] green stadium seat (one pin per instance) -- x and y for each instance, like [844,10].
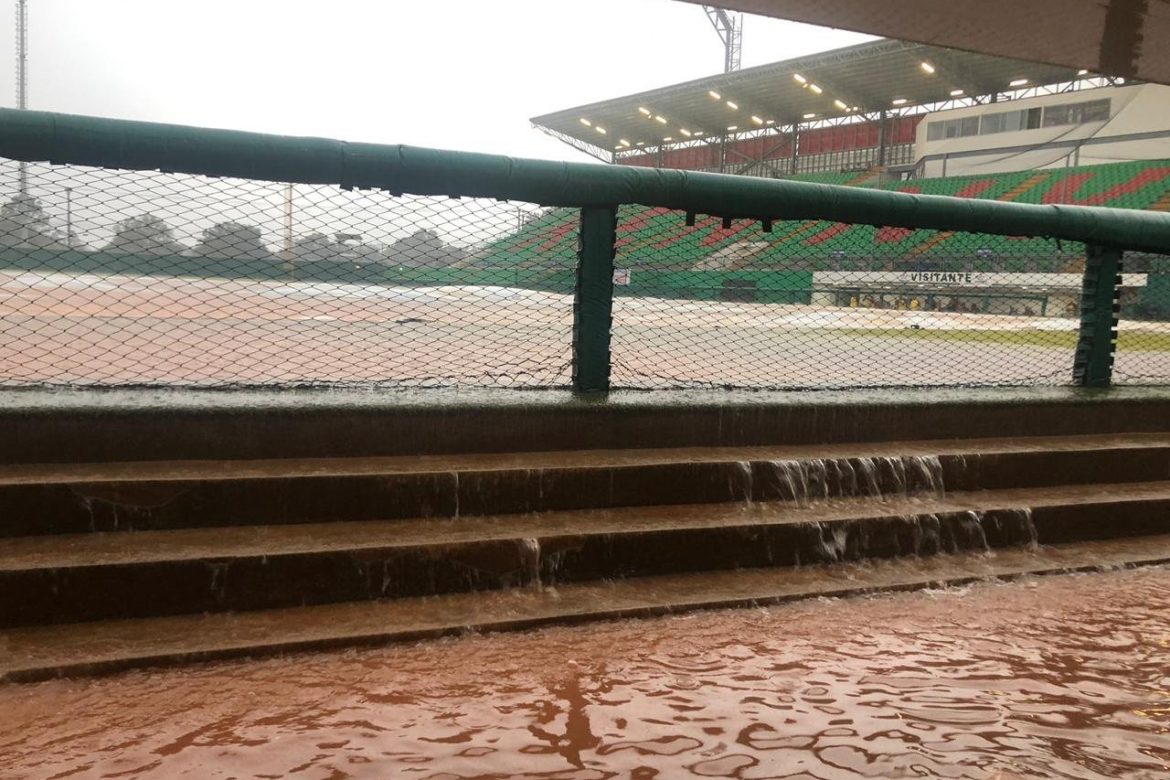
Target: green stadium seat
[660,239]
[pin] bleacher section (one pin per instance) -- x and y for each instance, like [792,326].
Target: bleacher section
[660,240]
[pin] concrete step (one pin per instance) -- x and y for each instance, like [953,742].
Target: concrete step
[87,426]
[36,653]
[86,577]
[41,499]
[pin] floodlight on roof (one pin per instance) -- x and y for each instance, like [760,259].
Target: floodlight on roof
[799,79]
[643,111]
[586,122]
[957,93]
[757,120]
[685,132]
[623,142]
[815,89]
[1083,72]
[733,127]
[733,105]
[600,129]
[898,102]
[668,138]
[640,143]
[770,122]
[1017,82]
[810,116]
[660,119]
[715,95]
[927,68]
[841,105]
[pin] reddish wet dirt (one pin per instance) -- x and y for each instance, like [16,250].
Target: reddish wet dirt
[1065,676]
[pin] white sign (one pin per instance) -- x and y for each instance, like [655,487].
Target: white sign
[621,277]
[945,280]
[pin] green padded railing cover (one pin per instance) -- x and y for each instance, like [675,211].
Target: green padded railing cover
[35,136]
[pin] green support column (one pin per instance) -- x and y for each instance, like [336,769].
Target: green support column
[593,305]
[1097,339]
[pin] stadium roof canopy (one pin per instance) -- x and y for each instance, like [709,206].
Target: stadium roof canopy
[869,77]
[1113,37]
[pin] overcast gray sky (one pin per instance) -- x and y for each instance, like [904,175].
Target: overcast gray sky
[460,74]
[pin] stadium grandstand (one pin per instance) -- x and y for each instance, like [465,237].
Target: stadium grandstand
[829,263]
[891,115]
[878,111]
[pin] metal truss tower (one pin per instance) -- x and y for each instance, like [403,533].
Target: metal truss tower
[730,29]
[22,74]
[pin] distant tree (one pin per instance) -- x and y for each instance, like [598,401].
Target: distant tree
[316,248]
[423,248]
[23,222]
[145,234]
[234,240]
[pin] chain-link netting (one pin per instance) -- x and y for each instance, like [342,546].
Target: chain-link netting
[1143,333]
[145,278]
[815,304]
[133,278]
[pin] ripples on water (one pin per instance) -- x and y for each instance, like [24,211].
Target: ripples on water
[1059,677]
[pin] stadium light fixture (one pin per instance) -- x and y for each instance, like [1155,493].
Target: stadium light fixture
[623,142]
[600,129]
[757,120]
[815,89]
[668,138]
[685,132]
[586,122]
[957,93]
[660,119]
[733,127]
[640,143]
[770,122]
[1017,83]
[643,111]
[927,68]
[810,116]
[714,95]
[1083,72]
[799,79]
[898,102]
[841,105]
[733,105]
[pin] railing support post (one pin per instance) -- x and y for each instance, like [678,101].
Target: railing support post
[593,304]
[1097,338]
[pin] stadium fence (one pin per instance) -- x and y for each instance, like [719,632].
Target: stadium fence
[146,254]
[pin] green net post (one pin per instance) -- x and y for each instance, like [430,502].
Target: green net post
[1097,338]
[593,305]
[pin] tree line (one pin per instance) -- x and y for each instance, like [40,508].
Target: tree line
[24,223]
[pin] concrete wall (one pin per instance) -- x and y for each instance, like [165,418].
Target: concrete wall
[1138,129]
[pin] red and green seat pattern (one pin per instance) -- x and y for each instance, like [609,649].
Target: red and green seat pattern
[660,238]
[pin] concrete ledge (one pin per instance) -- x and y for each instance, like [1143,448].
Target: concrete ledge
[137,424]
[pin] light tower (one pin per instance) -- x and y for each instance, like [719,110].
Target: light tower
[730,29]
[22,74]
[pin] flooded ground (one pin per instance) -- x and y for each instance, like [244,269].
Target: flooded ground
[83,329]
[1064,676]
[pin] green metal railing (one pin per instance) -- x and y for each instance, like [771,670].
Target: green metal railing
[598,191]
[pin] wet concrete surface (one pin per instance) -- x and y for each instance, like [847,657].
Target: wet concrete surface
[39,652]
[1060,677]
[77,426]
[80,498]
